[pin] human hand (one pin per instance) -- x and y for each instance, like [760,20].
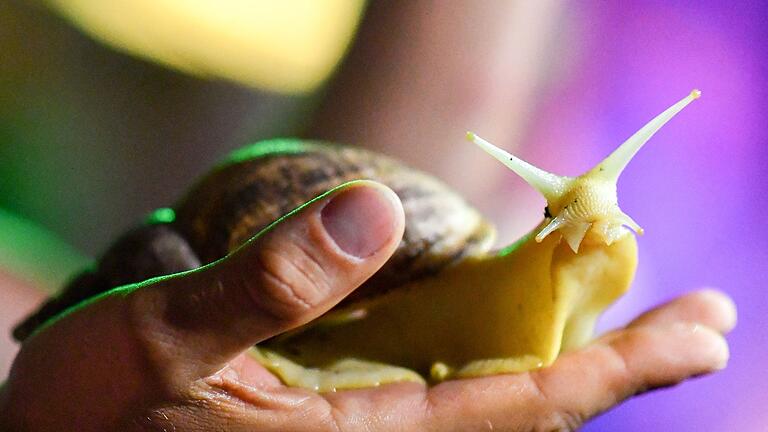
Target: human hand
[169,354]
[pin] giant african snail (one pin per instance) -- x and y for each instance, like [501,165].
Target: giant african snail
[445,305]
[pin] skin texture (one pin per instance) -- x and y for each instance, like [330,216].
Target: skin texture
[145,357]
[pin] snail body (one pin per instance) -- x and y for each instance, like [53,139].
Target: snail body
[444,306]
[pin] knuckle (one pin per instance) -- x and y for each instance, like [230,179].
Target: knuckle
[314,269]
[552,417]
[561,421]
[289,282]
[555,420]
[149,326]
[556,424]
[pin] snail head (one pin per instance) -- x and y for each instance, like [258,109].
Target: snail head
[586,207]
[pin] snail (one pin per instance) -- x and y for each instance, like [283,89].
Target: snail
[445,305]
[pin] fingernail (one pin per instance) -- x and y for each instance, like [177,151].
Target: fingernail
[720,352]
[360,219]
[726,308]
[712,345]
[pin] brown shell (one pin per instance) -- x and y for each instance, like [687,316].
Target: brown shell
[259,184]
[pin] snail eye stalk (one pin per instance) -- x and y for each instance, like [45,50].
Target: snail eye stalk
[548,184]
[611,167]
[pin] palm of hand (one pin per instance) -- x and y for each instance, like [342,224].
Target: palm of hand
[659,349]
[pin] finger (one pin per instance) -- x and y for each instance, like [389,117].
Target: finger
[581,384]
[284,277]
[708,307]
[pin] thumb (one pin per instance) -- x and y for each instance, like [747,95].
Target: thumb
[289,274]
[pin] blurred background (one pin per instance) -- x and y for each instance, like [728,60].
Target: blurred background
[108,112]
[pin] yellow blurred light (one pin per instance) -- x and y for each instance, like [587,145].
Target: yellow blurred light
[281,45]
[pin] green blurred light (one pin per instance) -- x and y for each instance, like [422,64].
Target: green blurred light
[36,255]
[161,216]
[271,147]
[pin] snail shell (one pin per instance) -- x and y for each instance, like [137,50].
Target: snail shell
[257,185]
[260,184]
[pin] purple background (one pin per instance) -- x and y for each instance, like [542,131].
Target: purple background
[698,187]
